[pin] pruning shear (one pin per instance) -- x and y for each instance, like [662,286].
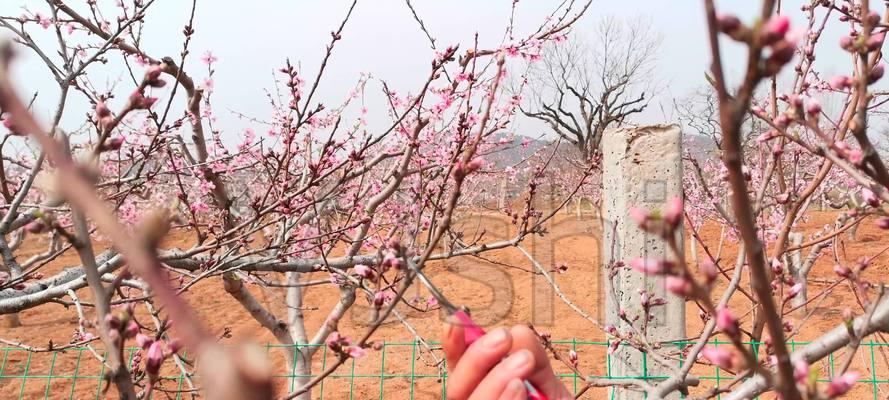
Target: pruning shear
[471,331]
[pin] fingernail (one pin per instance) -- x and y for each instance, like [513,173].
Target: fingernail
[519,359]
[513,389]
[495,337]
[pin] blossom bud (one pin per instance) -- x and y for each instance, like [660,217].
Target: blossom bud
[641,216]
[36,226]
[855,156]
[652,266]
[863,262]
[474,165]
[708,268]
[153,73]
[869,197]
[380,298]
[364,271]
[721,357]
[840,82]
[114,143]
[788,325]
[782,53]
[801,372]
[140,102]
[842,271]
[112,321]
[356,352]
[333,340]
[143,341]
[841,384]
[847,43]
[644,298]
[175,345]
[794,290]
[777,266]
[157,83]
[775,29]
[673,212]
[678,285]
[726,321]
[459,171]
[883,223]
[7,123]
[394,244]
[813,108]
[873,18]
[389,260]
[131,330]
[727,23]
[155,358]
[572,356]
[766,136]
[102,110]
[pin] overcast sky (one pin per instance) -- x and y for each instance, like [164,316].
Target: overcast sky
[252,39]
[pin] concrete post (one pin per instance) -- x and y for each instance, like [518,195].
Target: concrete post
[642,168]
[501,196]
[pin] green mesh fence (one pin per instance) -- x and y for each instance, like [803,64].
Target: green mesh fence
[402,370]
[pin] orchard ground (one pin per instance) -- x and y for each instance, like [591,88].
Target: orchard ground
[499,289]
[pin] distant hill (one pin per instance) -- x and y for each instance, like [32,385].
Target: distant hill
[699,146]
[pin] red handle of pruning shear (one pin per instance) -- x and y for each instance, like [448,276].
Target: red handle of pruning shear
[471,333]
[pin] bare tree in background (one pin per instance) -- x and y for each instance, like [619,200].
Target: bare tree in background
[580,89]
[698,112]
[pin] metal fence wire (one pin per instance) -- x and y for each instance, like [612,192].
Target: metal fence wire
[399,370]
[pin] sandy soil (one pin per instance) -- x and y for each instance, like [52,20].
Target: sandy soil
[499,290]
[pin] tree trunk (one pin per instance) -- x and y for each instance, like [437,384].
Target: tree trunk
[302,356]
[798,272]
[303,371]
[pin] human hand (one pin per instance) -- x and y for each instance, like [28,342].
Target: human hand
[494,366]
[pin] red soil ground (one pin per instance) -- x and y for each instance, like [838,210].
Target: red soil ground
[499,290]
